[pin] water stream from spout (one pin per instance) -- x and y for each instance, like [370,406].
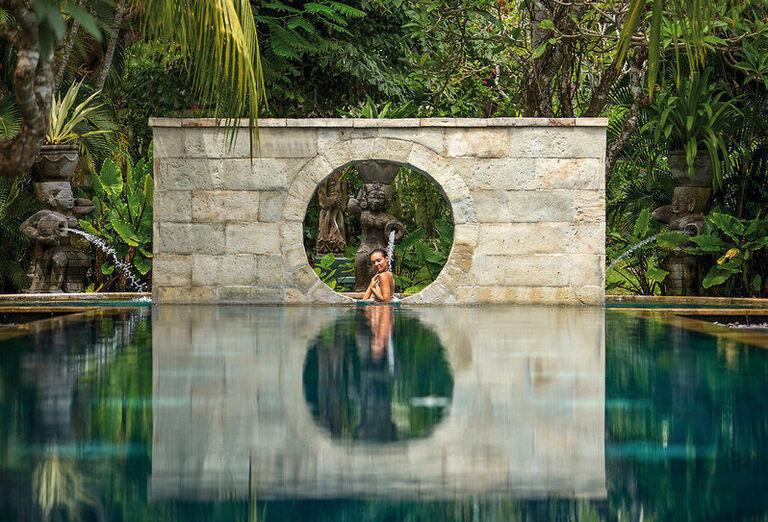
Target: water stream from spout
[104,247]
[625,254]
[391,248]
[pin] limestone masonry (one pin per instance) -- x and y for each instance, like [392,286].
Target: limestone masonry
[527,195]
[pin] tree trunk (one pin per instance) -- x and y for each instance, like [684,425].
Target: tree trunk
[109,55]
[66,52]
[33,88]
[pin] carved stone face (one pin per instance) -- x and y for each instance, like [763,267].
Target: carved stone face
[377,197]
[56,194]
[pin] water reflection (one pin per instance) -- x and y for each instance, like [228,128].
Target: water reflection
[231,419]
[371,376]
[208,416]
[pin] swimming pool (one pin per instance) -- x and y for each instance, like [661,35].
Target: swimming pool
[299,413]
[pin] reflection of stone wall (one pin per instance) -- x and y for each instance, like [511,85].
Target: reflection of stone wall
[527,196]
[527,417]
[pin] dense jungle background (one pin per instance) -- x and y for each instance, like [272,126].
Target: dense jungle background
[679,75]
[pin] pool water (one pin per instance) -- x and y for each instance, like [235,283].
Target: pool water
[380,414]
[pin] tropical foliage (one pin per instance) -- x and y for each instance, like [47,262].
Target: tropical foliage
[740,250]
[123,217]
[668,75]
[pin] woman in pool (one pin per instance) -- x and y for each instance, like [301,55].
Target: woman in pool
[382,286]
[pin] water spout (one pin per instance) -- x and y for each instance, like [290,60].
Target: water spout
[391,248]
[104,247]
[636,247]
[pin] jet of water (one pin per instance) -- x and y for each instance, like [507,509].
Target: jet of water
[104,247]
[625,254]
[391,248]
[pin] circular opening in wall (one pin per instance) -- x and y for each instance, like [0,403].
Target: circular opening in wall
[376,204]
[379,376]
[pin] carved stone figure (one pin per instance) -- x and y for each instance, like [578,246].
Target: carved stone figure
[57,264]
[370,205]
[686,213]
[332,200]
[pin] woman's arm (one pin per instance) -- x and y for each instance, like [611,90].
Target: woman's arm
[369,291]
[385,287]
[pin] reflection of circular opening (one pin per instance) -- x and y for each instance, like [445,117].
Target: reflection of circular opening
[355,209]
[379,376]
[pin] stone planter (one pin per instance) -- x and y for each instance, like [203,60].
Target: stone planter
[55,162]
[374,171]
[702,169]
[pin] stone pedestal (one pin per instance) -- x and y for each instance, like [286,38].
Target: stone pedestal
[683,278]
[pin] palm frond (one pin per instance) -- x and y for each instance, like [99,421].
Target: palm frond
[219,39]
[10,118]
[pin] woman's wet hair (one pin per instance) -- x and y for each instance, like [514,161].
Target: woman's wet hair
[379,251]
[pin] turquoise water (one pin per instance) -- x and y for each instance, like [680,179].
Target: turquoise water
[380,414]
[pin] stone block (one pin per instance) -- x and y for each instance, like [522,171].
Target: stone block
[590,205]
[573,173]
[295,207]
[545,295]
[516,239]
[219,206]
[533,270]
[342,152]
[167,143]
[587,270]
[432,138]
[223,270]
[463,211]
[287,143]
[189,238]
[496,174]
[251,294]
[186,174]
[476,142]
[271,271]
[557,142]
[252,238]
[315,170]
[295,296]
[217,142]
[271,206]
[327,138]
[171,270]
[181,295]
[172,206]
[466,233]
[491,206]
[534,206]
[390,149]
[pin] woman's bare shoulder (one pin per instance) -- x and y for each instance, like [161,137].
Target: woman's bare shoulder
[387,275]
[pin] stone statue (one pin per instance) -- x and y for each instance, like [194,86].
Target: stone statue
[686,213]
[57,265]
[370,205]
[332,200]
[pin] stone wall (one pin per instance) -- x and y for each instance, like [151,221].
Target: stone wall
[527,196]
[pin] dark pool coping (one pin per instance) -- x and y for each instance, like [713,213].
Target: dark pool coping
[81,296]
[685,301]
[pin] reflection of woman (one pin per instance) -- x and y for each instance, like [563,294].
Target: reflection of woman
[382,286]
[380,321]
[377,361]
